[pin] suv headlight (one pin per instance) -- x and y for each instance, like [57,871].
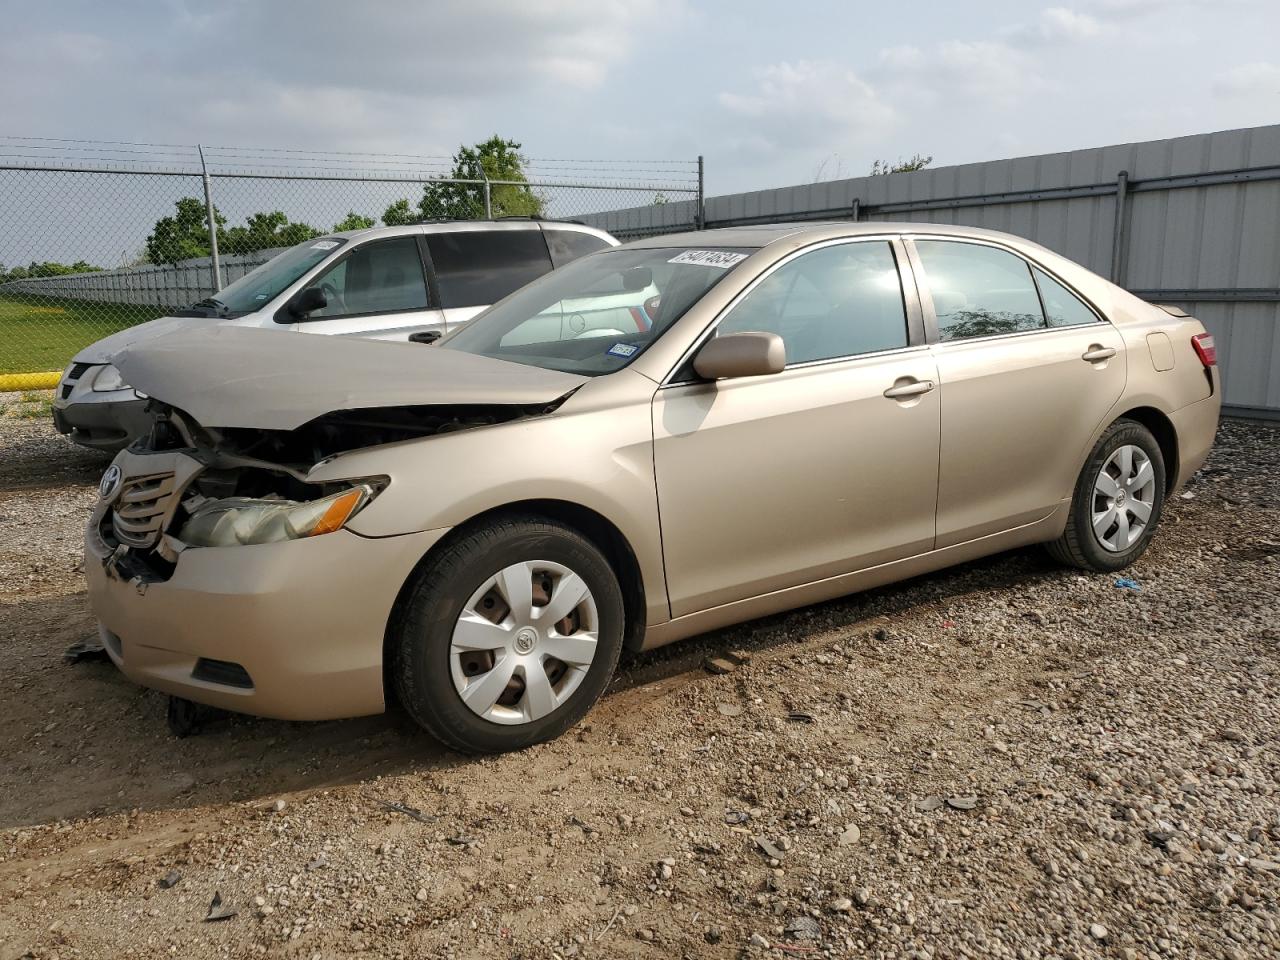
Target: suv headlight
[107,379]
[238,521]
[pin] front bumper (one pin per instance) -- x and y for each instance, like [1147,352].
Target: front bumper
[109,421]
[304,619]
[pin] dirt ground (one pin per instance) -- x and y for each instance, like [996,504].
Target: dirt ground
[1008,759]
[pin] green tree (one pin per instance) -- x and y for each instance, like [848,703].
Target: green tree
[47,268]
[354,221]
[263,231]
[184,235]
[398,214]
[917,162]
[492,159]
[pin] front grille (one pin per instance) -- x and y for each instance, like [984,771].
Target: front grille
[139,513]
[222,671]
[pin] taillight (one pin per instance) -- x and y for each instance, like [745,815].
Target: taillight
[1205,350]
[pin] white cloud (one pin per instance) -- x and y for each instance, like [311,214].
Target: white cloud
[1055,25]
[798,105]
[330,75]
[1248,79]
[1065,24]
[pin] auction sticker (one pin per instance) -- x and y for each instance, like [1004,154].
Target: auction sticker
[324,244]
[723,259]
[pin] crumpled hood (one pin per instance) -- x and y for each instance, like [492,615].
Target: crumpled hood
[102,350]
[229,376]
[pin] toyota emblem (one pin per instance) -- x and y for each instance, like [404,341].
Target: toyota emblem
[109,485]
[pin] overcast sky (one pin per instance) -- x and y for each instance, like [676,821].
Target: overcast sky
[773,93]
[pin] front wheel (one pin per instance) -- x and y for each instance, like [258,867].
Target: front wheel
[1117,503]
[508,635]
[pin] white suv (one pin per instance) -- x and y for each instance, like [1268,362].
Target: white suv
[414,282]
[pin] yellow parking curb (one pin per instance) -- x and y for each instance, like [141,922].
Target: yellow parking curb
[29,381]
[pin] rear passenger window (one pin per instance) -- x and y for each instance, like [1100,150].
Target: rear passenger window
[1062,308]
[979,291]
[838,301]
[479,267]
[566,245]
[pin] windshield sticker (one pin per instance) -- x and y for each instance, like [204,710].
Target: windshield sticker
[622,350]
[709,258]
[261,296]
[324,244]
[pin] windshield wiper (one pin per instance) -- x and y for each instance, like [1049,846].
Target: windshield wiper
[208,307]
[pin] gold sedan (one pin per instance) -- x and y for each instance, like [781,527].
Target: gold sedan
[654,441]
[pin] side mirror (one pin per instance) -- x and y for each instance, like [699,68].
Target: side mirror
[308,300]
[751,354]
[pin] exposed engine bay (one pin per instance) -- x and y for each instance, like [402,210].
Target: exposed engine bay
[186,485]
[248,462]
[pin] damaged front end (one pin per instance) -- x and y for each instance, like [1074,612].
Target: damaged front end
[185,486]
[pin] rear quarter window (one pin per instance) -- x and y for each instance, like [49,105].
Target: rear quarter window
[566,245]
[478,267]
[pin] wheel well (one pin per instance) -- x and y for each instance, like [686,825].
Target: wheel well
[594,526]
[1161,428]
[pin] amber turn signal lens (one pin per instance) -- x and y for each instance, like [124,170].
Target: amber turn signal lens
[338,513]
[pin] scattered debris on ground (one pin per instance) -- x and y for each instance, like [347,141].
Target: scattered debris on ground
[1008,759]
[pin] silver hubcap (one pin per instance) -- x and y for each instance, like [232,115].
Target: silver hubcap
[524,642]
[1123,496]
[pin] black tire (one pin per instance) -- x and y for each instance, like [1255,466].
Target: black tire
[1078,546]
[422,632]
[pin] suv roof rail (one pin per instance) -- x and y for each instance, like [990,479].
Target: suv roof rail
[530,217]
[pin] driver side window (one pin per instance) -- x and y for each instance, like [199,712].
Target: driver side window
[383,276]
[837,301]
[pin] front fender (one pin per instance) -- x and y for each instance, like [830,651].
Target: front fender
[601,459]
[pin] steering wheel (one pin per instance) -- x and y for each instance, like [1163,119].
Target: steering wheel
[333,296]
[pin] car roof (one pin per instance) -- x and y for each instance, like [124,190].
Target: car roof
[761,235]
[466,226]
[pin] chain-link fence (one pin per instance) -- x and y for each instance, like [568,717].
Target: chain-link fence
[97,237]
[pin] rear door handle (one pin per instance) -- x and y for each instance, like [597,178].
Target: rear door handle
[902,391]
[1094,354]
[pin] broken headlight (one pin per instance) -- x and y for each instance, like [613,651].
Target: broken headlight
[237,521]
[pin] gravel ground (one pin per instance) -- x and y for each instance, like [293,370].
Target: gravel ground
[1007,759]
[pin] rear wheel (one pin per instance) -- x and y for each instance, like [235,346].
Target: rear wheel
[508,635]
[1117,503]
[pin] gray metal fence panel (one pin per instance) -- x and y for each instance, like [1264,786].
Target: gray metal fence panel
[1201,226]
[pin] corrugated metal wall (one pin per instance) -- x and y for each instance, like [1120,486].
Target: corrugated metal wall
[1201,226]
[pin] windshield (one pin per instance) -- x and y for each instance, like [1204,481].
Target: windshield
[597,314]
[265,283]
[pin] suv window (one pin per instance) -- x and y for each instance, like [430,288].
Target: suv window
[478,267]
[1062,308]
[838,301]
[382,276]
[979,291]
[566,245]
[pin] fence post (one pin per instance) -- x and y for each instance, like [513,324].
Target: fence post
[488,196]
[213,223]
[701,214]
[855,210]
[1119,237]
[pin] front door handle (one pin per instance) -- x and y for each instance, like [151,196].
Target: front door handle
[913,389]
[1096,353]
